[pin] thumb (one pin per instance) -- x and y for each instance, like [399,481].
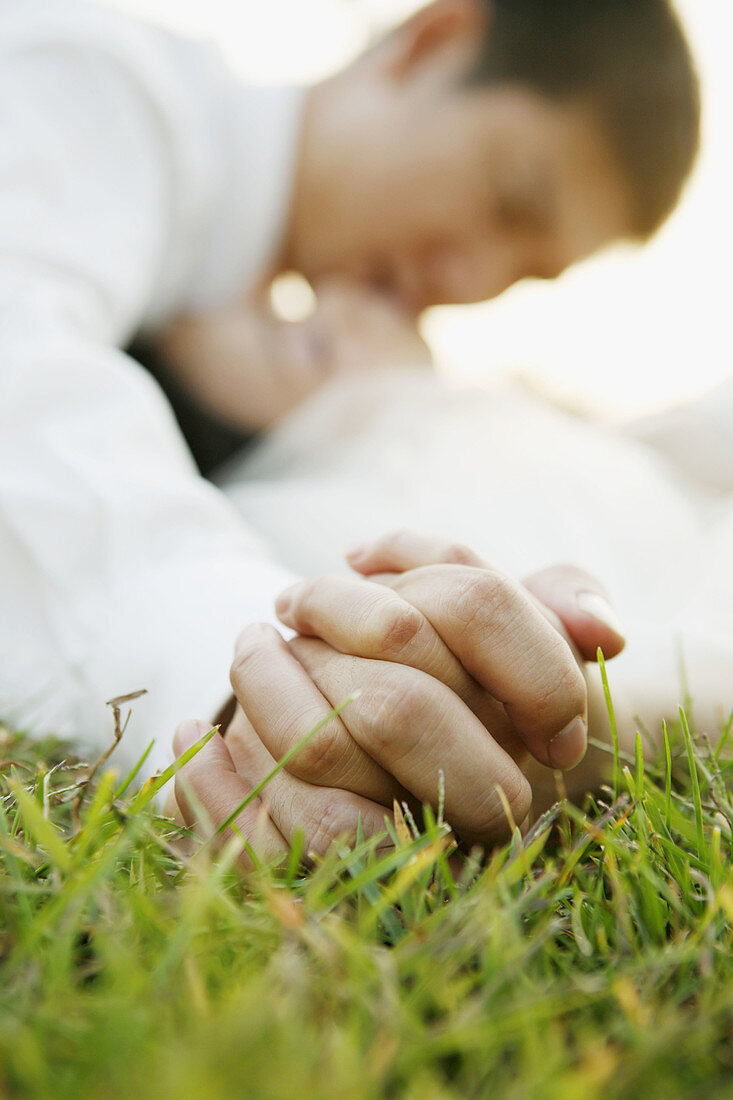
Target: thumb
[581,603]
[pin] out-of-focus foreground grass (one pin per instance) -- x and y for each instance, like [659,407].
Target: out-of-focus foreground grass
[592,958]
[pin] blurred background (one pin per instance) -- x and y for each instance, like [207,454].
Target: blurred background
[624,333]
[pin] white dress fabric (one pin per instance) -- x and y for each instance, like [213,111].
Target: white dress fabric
[137,178]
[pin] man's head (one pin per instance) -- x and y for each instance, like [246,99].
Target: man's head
[484,141]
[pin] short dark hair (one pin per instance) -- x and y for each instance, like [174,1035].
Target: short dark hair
[630,61]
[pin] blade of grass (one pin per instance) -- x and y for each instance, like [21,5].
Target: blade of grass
[695,780]
[667,778]
[43,832]
[612,722]
[283,763]
[147,793]
[129,779]
[639,778]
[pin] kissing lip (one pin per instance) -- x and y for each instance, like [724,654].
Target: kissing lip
[307,349]
[390,288]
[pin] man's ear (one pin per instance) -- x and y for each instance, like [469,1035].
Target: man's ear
[440,23]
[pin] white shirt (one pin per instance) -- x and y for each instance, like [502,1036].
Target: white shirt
[137,178]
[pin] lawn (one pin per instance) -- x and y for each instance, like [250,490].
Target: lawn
[592,958]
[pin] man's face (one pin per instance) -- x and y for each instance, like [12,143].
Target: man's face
[443,193]
[507,188]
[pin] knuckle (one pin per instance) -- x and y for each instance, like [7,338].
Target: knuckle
[565,692]
[335,819]
[519,795]
[303,598]
[312,592]
[187,733]
[393,540]
[482,595]
[492,817]
[396,710]
[248,651]
[460,554]
[322,756]
[253,635]
[325,582]
[242,666]
[394,628]
[313,599]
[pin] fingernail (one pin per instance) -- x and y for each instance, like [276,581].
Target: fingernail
[592,603]
[569,747]
[285,600]
[357,553]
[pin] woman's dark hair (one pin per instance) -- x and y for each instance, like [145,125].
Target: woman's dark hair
[630,61]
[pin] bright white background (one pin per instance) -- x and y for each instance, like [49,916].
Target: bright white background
[623,332]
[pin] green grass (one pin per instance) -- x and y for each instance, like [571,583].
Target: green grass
[594,958]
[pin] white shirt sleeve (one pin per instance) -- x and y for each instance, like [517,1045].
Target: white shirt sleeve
[120,568]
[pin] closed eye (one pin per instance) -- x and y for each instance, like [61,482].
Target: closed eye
[517,215]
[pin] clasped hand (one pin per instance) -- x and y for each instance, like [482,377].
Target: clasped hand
[456,667]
